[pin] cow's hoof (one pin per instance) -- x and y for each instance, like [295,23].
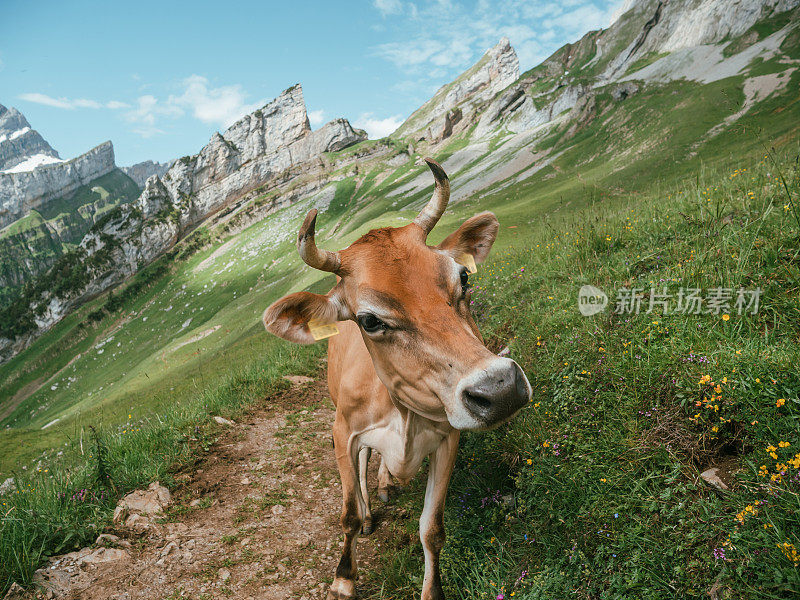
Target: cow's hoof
[367,527]
[342,589]
[383,494]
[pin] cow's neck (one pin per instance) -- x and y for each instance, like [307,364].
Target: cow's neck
[414,424]
[404,439]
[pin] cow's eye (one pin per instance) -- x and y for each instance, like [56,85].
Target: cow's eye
[464,280]
[370,323]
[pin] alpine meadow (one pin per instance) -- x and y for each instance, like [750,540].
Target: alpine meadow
[653,165]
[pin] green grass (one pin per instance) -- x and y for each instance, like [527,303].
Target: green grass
[62,508]
[29,221]
[594,490]
[607,434]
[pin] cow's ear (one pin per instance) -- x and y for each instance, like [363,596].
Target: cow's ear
[475,236]
[288,317]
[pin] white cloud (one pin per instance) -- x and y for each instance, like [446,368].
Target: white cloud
[431,58]
[47,100]
[221,106]
[405,86]
[147,110]
[316,117]
[389,7]
[85,103]
[579,20]
[411,53]
[70,104]
[378,128]
[464,31]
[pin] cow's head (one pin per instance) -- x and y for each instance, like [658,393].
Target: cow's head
[411,303]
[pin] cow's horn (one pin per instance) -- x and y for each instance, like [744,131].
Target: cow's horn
[311,255]
[435,207]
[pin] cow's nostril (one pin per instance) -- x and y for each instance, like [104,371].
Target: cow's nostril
[478,400]
[477,404]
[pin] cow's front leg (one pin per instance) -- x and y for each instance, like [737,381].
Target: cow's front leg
[344,583]
[431,522]
[363,465]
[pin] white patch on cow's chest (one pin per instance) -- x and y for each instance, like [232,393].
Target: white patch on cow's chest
[404,443]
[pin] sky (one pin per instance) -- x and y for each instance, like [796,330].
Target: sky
[159,77]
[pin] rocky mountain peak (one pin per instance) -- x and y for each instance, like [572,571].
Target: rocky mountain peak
[250,153]
[277,123]
[21,147]
[141,172]
[263,150]
[503,59]
[461,99]
[11,120]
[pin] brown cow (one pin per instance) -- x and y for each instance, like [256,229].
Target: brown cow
[408,369]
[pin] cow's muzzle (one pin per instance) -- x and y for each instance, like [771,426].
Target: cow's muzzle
[495,394]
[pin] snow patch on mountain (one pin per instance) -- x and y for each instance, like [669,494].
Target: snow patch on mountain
[33,162]
[15,135]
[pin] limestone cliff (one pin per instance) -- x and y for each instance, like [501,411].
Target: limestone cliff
[651,27]
[29,190]
[30,245]
[250,154]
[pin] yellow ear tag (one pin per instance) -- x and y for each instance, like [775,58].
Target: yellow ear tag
[320,330]
[468,261]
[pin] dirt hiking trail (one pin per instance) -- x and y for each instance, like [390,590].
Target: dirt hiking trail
[257,516]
